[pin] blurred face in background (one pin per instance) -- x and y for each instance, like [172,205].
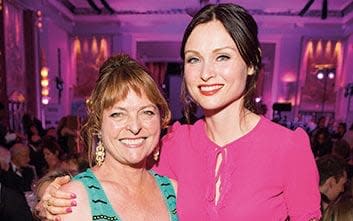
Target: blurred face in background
[337,187]
[51,158]
[21,157]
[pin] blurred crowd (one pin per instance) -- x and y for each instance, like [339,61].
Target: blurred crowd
[29,160]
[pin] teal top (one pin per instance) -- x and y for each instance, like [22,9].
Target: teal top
[101,208]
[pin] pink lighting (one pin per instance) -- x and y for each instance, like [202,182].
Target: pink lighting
[289,77]
[77,46]
[45,100]
[328,49]
[44,72]
[331,75]
[318,51]
[104,47]
[94,46]
[45,92]
[309,49]
[39,25]
[320,75]
[44,83]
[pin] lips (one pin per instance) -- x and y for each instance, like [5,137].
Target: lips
[211,89]
[133,142]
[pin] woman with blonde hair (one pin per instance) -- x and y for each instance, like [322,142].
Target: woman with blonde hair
[126,112]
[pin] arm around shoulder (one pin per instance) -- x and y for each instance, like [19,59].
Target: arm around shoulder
[82,209]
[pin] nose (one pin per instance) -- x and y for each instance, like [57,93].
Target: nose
[134,125]
[207,71]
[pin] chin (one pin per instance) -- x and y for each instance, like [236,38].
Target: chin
[137,164]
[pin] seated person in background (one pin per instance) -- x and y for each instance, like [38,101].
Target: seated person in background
[321,143]
[75,163]
[13,205]
[333,176]
[126,111]
[342,208]
[5,158]
[340,211]
[36,153]
[52,154]
[348,136]
[341,149]
[20,174]
[67,133]
[341,129]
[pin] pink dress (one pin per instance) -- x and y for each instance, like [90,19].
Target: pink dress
[268,174]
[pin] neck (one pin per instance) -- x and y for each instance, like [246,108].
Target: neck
[53,164]
[15,164]
[325,201]
[129,177]
[230,123]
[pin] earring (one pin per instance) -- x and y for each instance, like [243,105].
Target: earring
[156,155]
[100,151]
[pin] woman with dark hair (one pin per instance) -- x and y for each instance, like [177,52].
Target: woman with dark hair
[52,153]
[233,164]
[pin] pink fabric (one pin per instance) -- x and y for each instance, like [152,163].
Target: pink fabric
[268,174]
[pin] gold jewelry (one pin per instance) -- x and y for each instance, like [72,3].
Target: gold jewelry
[156,155]
[100,151]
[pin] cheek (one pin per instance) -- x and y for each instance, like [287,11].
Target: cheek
[191,73]
[153,125]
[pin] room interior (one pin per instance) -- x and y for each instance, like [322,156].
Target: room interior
[50,52]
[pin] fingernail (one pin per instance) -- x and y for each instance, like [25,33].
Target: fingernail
[73,203]
[73,195]
[68,210]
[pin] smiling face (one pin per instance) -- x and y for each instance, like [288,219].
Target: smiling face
[130,129]
[215,73]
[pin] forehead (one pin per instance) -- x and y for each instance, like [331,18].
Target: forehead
[204,35]
[134,99]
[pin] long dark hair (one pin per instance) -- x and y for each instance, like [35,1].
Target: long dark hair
[243,29]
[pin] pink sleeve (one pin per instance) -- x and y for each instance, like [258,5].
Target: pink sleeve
[301,179]
[170,148]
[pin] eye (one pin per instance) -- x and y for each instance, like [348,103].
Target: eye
[222,58]
[192,60]
[117,115]
[149,112]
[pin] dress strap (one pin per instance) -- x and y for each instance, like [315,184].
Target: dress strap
[167,190]
[101,208]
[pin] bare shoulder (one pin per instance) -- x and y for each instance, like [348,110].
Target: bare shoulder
[82,210]
[175,185]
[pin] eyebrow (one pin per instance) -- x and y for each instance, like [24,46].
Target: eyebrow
[215,50]
[140,108]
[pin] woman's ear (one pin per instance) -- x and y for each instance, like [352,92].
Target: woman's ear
[331,181]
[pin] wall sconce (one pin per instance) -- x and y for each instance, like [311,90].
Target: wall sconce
[44,83]
[39,22]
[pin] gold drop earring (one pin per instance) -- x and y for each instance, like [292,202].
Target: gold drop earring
[100,151]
